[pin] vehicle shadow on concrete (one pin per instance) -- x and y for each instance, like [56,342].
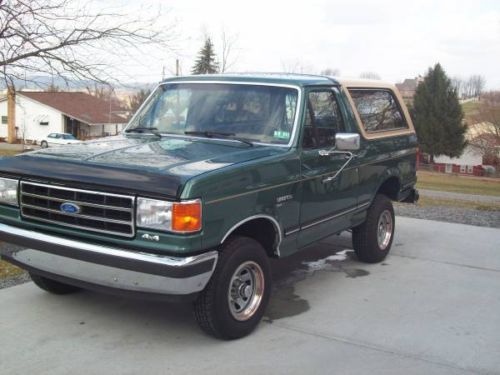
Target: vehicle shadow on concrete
[333,256]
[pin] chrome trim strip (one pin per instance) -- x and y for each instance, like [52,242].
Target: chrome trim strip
[260,216]
[334,216]
[292,231]
[54,186]
[64,225]
[253,191]
[235,82]
[94,218]
[81,203]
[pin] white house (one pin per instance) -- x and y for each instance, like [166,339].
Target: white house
[466,163]
[472,160]
[38,114]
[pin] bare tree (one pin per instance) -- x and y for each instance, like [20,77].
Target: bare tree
[68,38]
[100,91]
[477,84]
[330,72]
[485,127]
[458,85]
[228,55]
[296,66]
[136,100]
[370,75]
[52,88]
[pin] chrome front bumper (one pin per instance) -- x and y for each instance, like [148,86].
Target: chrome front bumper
[106,266]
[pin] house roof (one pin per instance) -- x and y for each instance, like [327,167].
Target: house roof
[408,84]
[81,106]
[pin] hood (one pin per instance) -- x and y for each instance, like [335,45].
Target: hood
[133,163]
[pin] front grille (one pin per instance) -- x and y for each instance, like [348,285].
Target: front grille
[98,212]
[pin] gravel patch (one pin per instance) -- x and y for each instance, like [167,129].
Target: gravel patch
[450,214]
[16,280]
[13,280]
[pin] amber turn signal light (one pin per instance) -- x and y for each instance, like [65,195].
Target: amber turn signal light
[186,216]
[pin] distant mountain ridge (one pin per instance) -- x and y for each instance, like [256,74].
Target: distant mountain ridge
[43,82]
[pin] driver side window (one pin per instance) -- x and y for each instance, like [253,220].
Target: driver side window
[323,120]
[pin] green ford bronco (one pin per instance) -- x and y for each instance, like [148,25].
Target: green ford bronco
[213,176]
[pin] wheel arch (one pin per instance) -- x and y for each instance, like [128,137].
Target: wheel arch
[390,186]
[263,228]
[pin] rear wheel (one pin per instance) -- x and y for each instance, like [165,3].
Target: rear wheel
[235,299]
[44,144]
[372,240]
[52,286]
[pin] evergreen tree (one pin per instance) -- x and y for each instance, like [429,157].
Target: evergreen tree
[438,116]
[206,62]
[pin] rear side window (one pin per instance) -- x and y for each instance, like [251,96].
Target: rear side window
[378,109]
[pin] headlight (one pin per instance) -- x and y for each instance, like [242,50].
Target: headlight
[8,191]
[182,217]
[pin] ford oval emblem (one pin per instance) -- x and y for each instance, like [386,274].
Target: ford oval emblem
[70,208]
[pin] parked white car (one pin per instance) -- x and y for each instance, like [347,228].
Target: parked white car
[57,139]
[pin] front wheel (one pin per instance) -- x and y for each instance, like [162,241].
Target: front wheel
[372,240]
[44,144]
[235,299]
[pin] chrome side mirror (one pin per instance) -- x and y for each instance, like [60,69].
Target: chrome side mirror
[347,141]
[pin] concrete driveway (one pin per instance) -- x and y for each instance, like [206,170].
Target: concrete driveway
[433,307]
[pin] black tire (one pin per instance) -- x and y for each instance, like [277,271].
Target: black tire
[44,144]
[365,238]
[52,286]
[213,310]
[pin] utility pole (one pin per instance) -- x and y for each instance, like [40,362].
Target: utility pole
[163,73]
[11,114]
[177,68]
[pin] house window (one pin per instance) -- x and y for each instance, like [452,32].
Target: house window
[378,109]
[462,169]
[5,120]
[470,169]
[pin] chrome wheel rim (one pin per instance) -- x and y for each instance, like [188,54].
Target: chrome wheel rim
[384,229]
[246,290]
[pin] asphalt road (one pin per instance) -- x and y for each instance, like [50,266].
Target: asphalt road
[431,308]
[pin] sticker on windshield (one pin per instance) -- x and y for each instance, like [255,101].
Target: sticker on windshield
[281,134]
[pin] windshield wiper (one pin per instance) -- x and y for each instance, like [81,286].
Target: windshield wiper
[144,129]
[216,134]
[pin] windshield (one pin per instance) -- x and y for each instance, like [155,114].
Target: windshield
[264,114]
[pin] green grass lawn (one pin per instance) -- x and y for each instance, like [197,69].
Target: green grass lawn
[469,108]
[458,184]
[8,152]
[7,270]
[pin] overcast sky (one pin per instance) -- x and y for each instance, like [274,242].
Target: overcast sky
[396,39]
